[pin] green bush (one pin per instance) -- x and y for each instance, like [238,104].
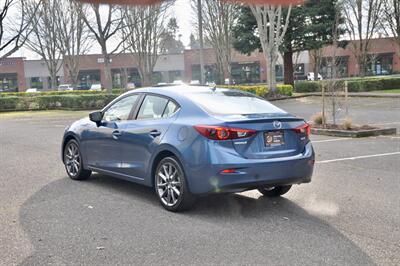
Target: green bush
[364,85]
[261,90]
[373,84]
[354,85]
[307,86]
[46,93]
[95,101]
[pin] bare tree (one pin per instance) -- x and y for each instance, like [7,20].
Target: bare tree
[14,26]
[44,36]
[218,20]
[271,28]
[144,28]
[361,21]
[391,19]
[73,37]
[105,31]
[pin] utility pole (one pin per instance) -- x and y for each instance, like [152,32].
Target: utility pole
[200,18]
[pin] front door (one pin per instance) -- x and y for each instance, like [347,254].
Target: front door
[102,143]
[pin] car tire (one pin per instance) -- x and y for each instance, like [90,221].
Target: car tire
[274,191]
[171,186]
[73,161]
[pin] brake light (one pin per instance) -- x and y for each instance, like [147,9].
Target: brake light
[303,129]
[224,133]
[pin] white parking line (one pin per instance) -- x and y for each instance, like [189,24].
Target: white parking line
[329,140]
[358,157]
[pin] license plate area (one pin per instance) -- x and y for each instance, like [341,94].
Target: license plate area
[274,138]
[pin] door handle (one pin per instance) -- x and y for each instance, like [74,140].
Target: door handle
[155,133]
[116,134]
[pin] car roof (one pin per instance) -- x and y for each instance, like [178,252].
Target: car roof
[176,90]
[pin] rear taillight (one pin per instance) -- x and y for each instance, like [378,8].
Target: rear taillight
[303,129]
[224,133]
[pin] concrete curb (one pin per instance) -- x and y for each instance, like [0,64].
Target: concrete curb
[353,134]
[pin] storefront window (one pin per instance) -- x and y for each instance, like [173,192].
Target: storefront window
[156,77]
[210,72]
[174,75]
[89,77]
[326,69]
[37,83]
[246,72]
[279,72]
[8,82]
[380,64]
[122,76]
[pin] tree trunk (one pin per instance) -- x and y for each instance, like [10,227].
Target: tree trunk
[288,67]
[146,79]
[271,75]
[316,65]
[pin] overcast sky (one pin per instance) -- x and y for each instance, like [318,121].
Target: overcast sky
[181,11]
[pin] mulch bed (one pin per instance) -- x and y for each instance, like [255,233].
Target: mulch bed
[340,127]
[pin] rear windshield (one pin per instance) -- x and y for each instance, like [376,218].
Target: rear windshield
[233,102]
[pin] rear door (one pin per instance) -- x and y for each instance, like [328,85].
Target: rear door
[141,137]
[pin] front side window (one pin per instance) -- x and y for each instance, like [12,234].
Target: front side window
[120,110]
[152,107]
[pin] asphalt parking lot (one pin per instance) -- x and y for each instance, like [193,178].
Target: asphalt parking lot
[348,215]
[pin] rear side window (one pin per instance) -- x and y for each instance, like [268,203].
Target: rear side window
[152,107]
[170,109]
[233,102]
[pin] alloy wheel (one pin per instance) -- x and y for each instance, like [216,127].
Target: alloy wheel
[72,159]
[169,186]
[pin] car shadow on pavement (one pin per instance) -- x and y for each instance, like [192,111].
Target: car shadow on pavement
[107,221]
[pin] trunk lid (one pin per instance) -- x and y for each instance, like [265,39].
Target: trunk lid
[282,141]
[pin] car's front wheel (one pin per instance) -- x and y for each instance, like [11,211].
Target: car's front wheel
[274,191]
[73,161]
[171,187]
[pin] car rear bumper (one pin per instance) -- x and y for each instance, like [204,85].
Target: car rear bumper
[251,174]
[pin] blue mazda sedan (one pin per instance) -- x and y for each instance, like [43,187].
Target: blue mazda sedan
[187,141]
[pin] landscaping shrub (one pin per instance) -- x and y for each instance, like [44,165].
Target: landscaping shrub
[373,84]
[347,123]
[307,86]
[43,102]
[46,93]
[261,90]
[354,85]
[318,119]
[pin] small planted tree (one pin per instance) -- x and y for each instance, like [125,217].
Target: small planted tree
[333,86]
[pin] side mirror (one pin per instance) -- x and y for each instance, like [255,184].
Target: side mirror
[96,117]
